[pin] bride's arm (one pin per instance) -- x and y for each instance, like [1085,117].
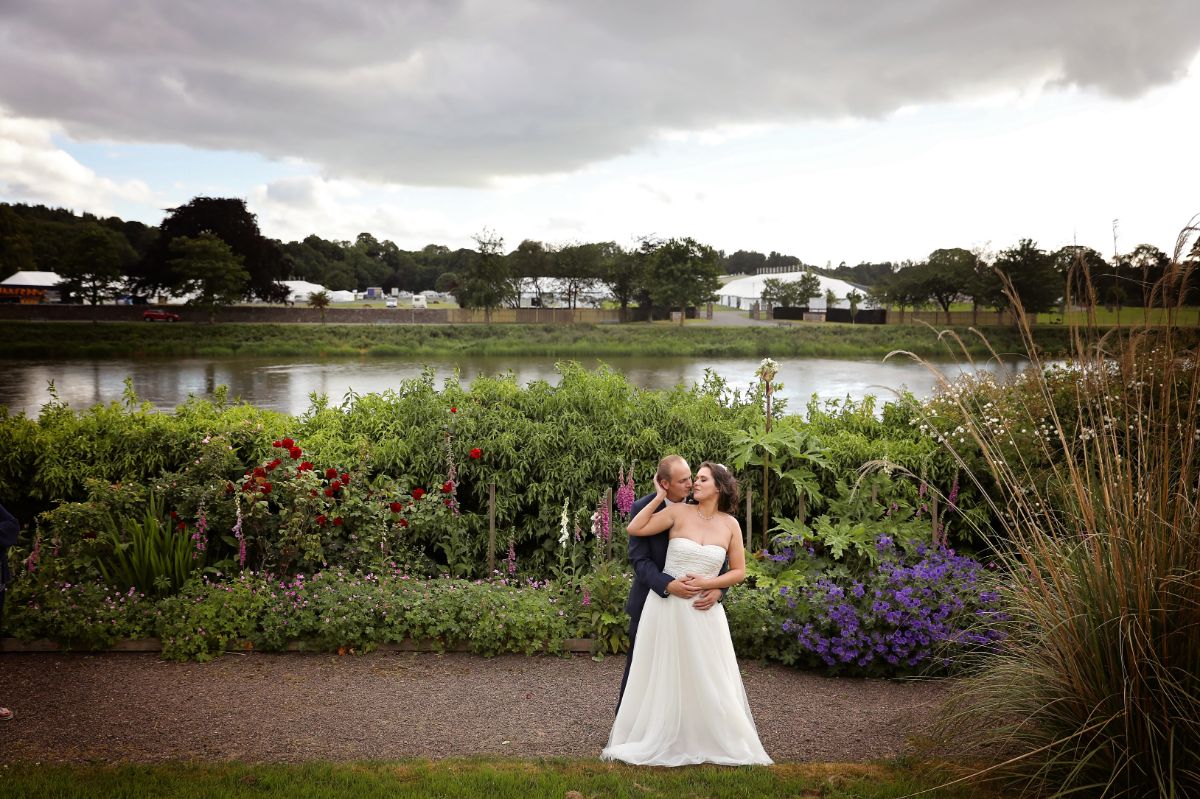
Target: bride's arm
[647,522]
[736,553]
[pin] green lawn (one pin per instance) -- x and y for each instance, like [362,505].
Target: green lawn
[495,779]
[187,339]
[1126,317]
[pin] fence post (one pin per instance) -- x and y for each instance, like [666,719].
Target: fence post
[491,528]
[749,520]
[933,515]
[608,504]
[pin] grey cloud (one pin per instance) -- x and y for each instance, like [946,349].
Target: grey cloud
[460,93]
[298,192]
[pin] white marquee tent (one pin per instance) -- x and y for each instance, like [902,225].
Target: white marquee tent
[743,292]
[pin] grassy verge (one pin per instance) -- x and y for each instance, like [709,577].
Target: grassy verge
[500,779]
[76,340]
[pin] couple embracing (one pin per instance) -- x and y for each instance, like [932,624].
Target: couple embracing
[682,699]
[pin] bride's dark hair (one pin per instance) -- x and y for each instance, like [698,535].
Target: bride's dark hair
[727,487]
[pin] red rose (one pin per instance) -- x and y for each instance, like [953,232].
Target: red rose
[266,488]
[453,409]
[306,467]
[345,478]
[475,453]
[260,471]
[395,507]
[448,503]
[335,485]
[312,493]
[288,443]
[417,493]
[246,486]
[337,521]
[182,525]
[295,452]
[174,515]
[321,519]
[329,492]
[447,486]
[273,465]
[330,473]
[228,488]
[277,444]
[403,522]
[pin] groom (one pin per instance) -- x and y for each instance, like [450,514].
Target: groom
[648,555]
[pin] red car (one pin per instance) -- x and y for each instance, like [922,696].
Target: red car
[159,316]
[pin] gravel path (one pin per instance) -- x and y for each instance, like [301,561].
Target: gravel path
[384,706]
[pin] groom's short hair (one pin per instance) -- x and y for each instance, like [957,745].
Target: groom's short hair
[666,465]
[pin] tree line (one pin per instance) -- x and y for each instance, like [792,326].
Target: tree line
[213,249]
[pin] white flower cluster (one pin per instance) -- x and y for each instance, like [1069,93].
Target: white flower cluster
[767,369]
[565,525]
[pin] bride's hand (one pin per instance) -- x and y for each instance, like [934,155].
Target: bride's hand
[696,581]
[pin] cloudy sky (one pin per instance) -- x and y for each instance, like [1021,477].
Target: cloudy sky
[856,130]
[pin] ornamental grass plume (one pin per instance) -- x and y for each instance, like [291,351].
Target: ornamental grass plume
[1092,474]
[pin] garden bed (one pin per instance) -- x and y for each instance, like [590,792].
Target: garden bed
[17,646]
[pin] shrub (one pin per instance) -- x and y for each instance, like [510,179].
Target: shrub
[88,615]
[206,618]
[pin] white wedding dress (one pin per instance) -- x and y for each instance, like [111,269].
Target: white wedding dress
[684,702]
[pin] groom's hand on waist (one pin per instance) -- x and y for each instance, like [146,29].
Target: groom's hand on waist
[706,599]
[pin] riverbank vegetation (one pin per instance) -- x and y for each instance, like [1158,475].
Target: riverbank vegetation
[412,342]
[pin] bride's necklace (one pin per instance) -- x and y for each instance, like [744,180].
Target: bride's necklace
[700,513]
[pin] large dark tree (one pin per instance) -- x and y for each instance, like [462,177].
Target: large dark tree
[1084,273]
[946,274]
[16,250]
[682,272]
[207,267]
[95,266]
[623,274]
[744,262]
[227,219]
[1033,276]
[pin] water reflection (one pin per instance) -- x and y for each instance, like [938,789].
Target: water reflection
[286,386]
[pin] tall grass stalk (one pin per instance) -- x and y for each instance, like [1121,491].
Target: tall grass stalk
[1092,471]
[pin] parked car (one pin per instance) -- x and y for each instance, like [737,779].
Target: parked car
[155,315]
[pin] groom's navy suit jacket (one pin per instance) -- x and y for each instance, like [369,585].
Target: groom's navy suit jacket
[648,555]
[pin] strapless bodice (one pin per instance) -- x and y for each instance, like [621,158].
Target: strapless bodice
[685,556]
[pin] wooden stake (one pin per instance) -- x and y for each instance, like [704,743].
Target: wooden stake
[608,503]
[933,514]
[749,519]
[491,528]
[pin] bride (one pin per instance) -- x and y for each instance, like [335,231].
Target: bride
[684,702]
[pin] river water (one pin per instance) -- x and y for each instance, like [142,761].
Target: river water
[286,386]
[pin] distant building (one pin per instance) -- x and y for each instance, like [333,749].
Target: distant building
[30,288]
[743,292]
